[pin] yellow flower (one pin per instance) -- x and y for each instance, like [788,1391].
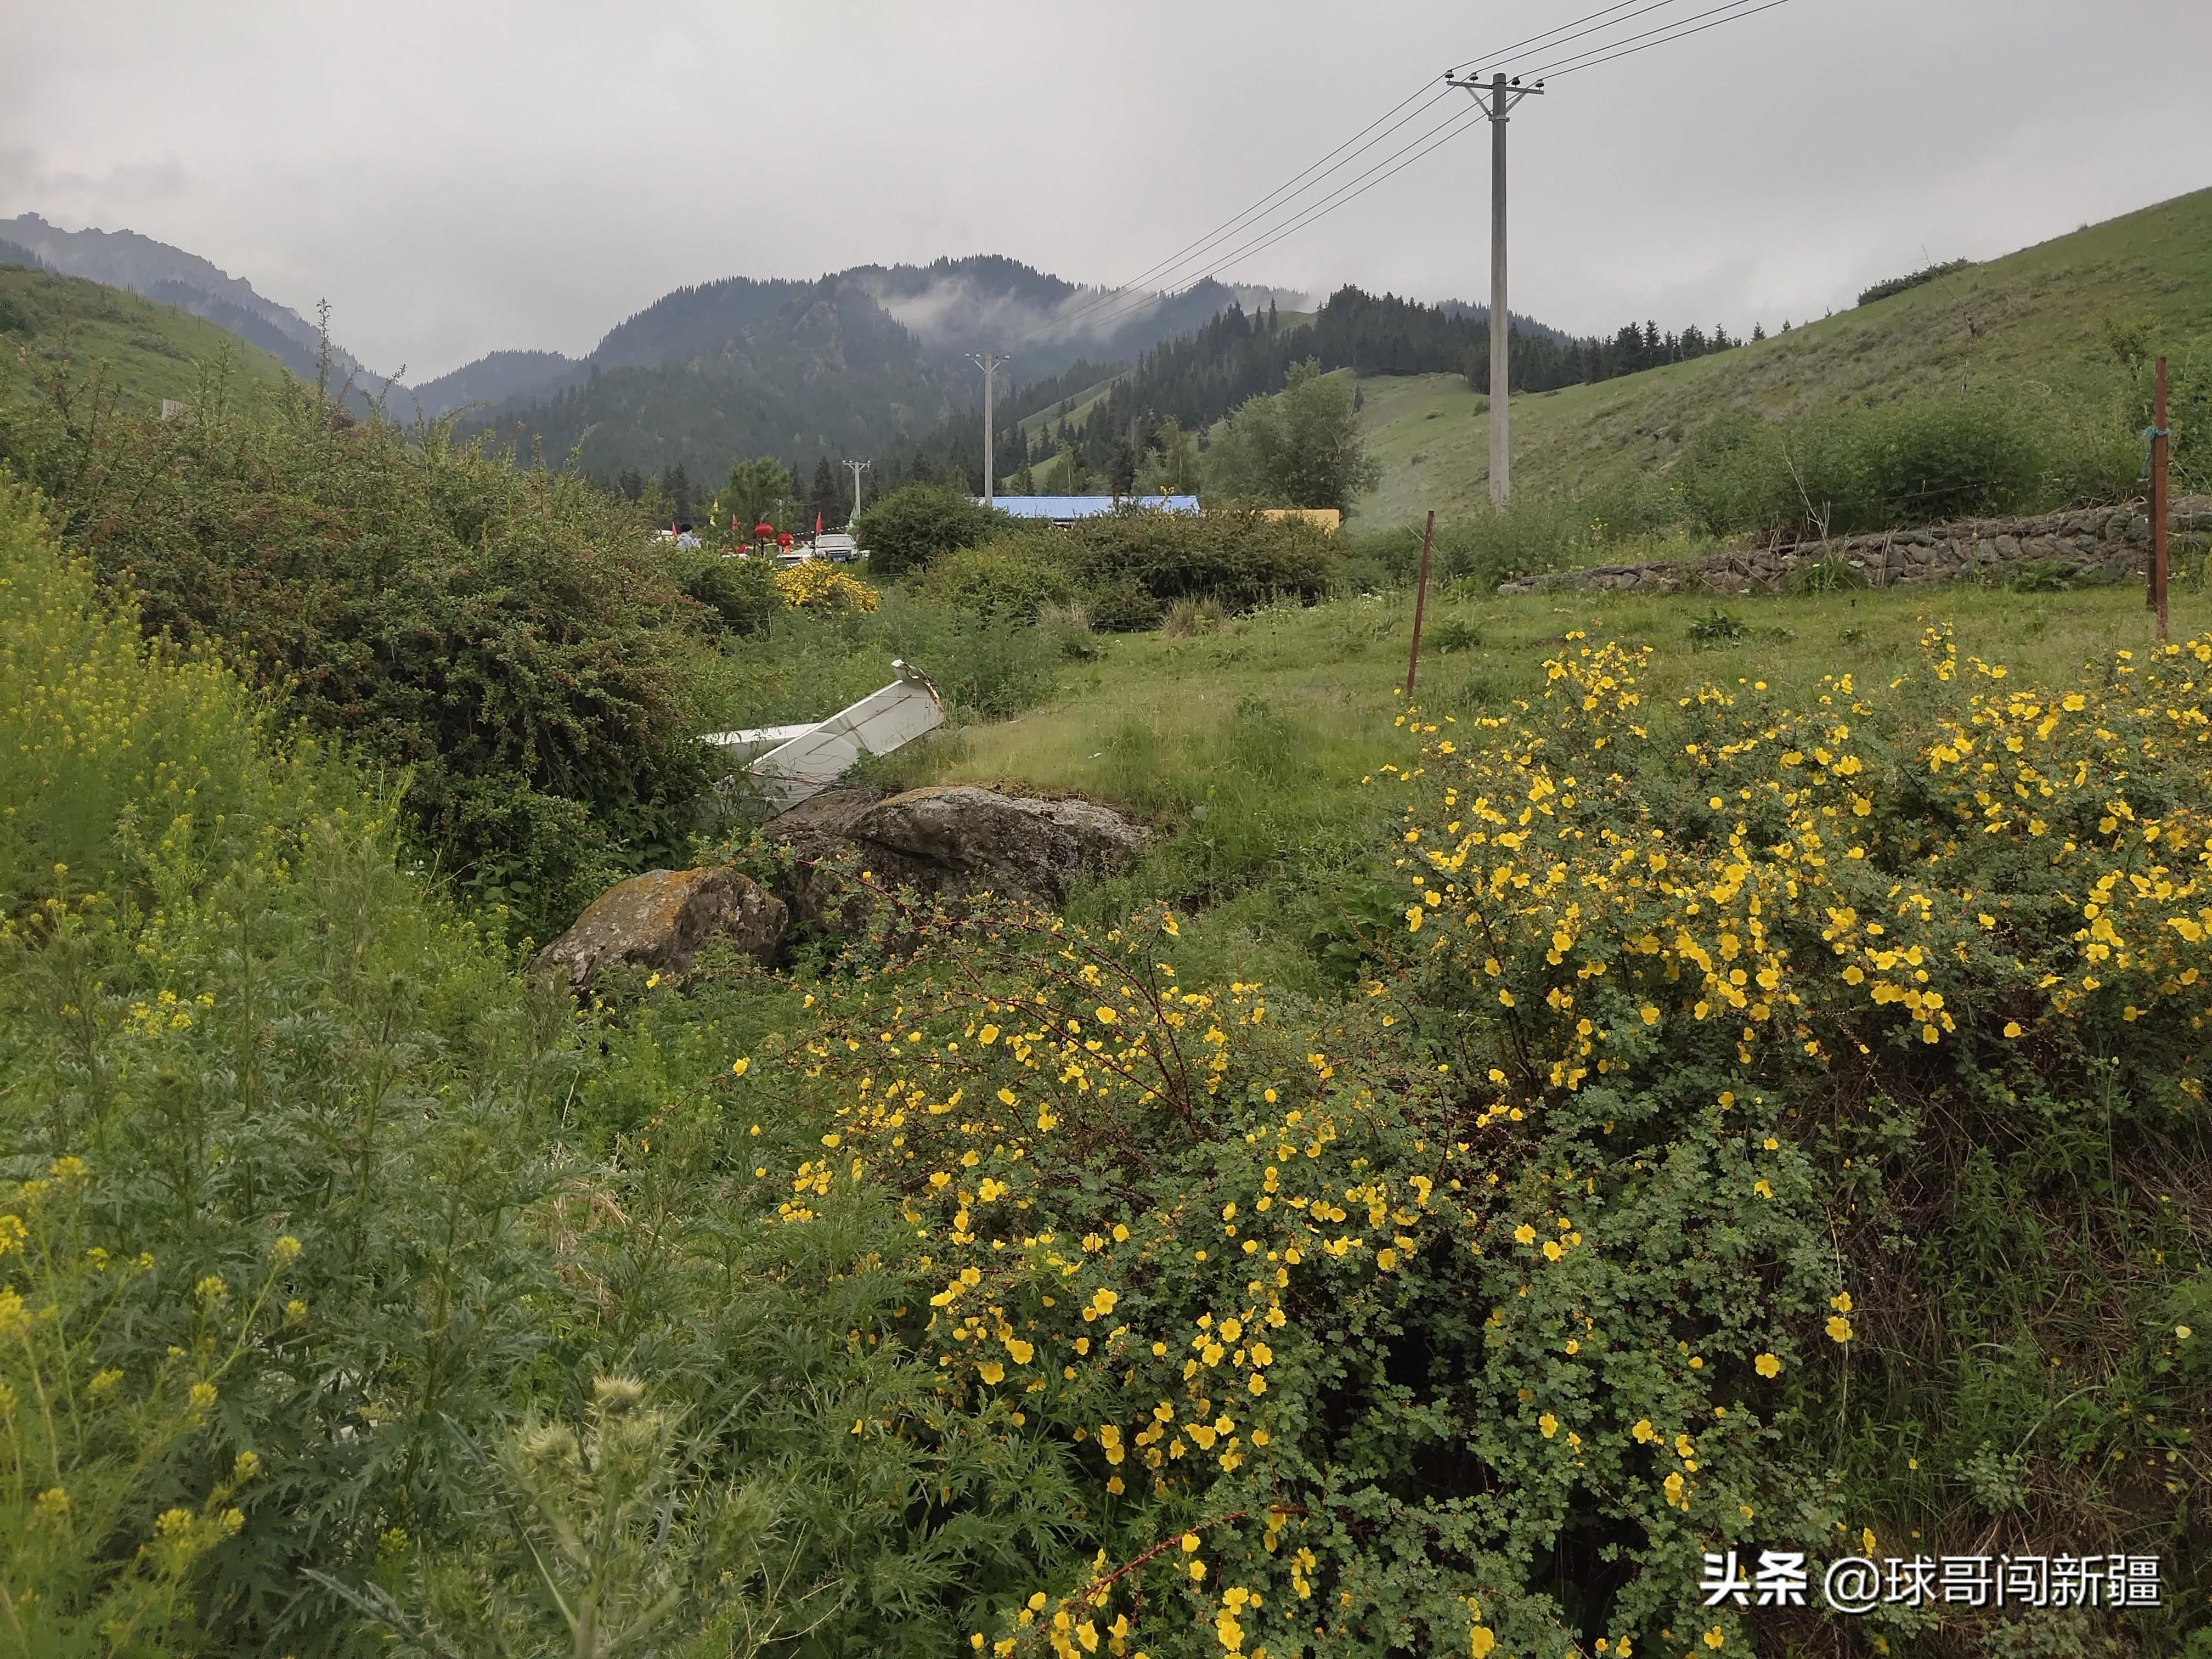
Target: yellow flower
[285,1250]
[1480,1642]
[1190,1543]
[988,1036]
[739,1067]
[1524,1233]
[1643,1430]
[1767,1365]
[1021,1351]
[1839,1328]
[2012,1028]
[991,1371]
[1548,1425]
[1713,1636]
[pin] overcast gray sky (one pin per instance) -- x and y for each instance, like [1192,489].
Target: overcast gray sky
[459,175]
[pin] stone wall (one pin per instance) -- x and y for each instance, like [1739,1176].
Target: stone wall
[2095,544]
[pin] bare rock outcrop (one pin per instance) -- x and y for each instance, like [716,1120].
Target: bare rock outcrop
[661,919]
[1009,843]
[947,842]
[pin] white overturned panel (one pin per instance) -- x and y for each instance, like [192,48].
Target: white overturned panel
[815,757]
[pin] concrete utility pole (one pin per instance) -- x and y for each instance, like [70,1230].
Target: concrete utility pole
[990,363]
[1496,97]
[856,468]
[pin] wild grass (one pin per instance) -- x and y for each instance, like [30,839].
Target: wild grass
[146,352]
[2031,326]
[1246,750]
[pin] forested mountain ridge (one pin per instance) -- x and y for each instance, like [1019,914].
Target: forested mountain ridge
[495,377]
[172,277]
[1108,419]
[828,373]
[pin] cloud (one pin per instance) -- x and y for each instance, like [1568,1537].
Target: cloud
[457,180]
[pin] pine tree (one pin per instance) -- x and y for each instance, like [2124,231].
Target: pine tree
[676,490]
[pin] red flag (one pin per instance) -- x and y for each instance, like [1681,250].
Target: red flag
[818,523]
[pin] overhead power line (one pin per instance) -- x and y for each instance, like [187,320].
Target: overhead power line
[1552,66]
[1506,56]
[1284,196]
[1592,62]
[1291,206]
[1358,186]
[1266,207]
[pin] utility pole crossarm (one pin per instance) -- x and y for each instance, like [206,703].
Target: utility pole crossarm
[1497,98]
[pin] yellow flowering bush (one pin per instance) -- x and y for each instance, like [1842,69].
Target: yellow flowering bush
[2014,864]
[818,584]
[1356,1318]
[1256,1265]
[86,1445]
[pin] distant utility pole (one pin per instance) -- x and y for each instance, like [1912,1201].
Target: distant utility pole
[990,362]
[856,468]
[1496,97]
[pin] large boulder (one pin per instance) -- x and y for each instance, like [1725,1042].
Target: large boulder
[979,838]
[661,918]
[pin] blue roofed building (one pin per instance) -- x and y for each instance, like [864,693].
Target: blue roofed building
[1066,509]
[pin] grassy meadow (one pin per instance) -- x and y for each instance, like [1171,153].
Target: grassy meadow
[2032,323]
[1700,1076]
[1251,751]
[146,351]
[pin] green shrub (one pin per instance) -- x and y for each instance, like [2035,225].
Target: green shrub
[1926,459]
[742,592]
[1535,534]
[1122,604]
[1454,634]
[1237,557]
[507,639]
[807,665]
[1715,628]
[296,1300]
[911,528]
[2043,576]
[2188,417]
[1897,285]
[1015,579]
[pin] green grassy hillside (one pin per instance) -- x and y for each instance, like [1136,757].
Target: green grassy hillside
[149,351]
[2033,319]
[1078,408]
